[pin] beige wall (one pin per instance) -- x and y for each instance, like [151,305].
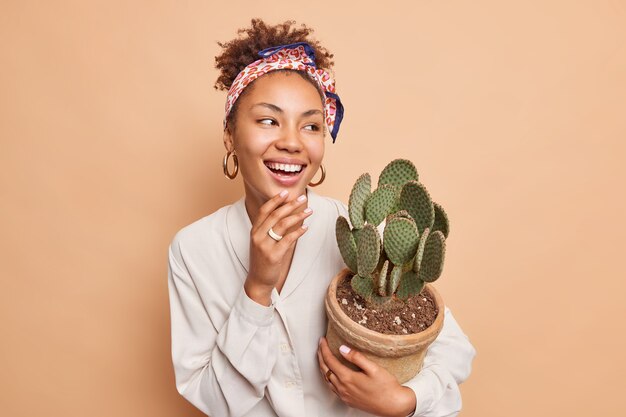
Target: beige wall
[513,112]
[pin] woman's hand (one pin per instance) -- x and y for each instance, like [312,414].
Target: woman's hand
[374,390]
[266,254]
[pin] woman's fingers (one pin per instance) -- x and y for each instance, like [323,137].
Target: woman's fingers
[269,206]
[279,214]
[290,238]
[288,222]
[322,365]
[267,255]
[339,369]
[332,379]
[359,359]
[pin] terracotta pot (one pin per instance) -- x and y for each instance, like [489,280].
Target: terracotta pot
[401,355]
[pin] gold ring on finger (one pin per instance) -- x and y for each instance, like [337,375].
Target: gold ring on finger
[273,235]
[328,374]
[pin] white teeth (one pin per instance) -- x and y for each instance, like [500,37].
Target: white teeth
[285,167]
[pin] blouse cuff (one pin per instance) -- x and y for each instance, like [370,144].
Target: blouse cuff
[421,386]
[254,312]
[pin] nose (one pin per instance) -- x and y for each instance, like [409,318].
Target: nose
[290,139]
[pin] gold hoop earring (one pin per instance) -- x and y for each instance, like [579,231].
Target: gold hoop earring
[225,163]
[321,179]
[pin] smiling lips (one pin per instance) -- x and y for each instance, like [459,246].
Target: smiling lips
[285,174]
[275,166]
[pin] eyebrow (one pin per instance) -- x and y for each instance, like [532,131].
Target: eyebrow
[279,110]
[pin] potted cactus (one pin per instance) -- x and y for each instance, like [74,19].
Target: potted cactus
[388,269]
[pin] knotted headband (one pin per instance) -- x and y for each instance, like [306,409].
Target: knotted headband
[296,56]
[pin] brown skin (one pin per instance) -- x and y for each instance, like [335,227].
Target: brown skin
[261,133]
[374,390]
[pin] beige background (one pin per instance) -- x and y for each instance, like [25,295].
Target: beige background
[513,112]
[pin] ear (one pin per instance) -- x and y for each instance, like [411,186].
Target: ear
[228,140]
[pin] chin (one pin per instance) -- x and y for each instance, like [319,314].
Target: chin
[295,190]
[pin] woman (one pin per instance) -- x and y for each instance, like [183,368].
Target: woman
[247,282]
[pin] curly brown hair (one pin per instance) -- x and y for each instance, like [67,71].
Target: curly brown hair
[242,51]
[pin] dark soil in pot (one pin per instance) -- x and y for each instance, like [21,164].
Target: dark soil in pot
[414,316]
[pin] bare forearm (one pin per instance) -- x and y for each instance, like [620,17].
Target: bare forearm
[260,293]
[405,401]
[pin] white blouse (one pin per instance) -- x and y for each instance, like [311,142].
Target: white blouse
[235,357]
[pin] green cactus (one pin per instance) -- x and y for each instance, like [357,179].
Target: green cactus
[441,220]
[410,285]
[401,213]
[346,242]
[388,271]
[397,173]
[394,279]
[368,250]
[363,286]
[400,240]
[356,203]
[379,203]
[415,199]
[382,279]
[420,250]
[432,262]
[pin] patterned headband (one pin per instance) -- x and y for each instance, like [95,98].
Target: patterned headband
[296,56]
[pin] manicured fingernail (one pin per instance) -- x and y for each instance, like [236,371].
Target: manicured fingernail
[344,349]
[308,210]
[320,341]
[302,197]
[283,193]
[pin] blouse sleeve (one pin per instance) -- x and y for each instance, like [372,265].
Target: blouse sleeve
[222,372]
[447,364]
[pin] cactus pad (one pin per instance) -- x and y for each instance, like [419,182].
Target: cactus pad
[368,250]
[400,213]
[410,285]
[356,203]
[415,199]
[400,240]
[362,286]
[382,280]
[396,205]
[441,220]
[355,233]
[379,203]
[432,261]
[397,173]
[394,279]
[420,250]
[346,243]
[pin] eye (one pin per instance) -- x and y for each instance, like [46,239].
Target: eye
[264,121]
[314,127]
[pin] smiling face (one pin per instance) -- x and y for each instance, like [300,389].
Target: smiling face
[279,127]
